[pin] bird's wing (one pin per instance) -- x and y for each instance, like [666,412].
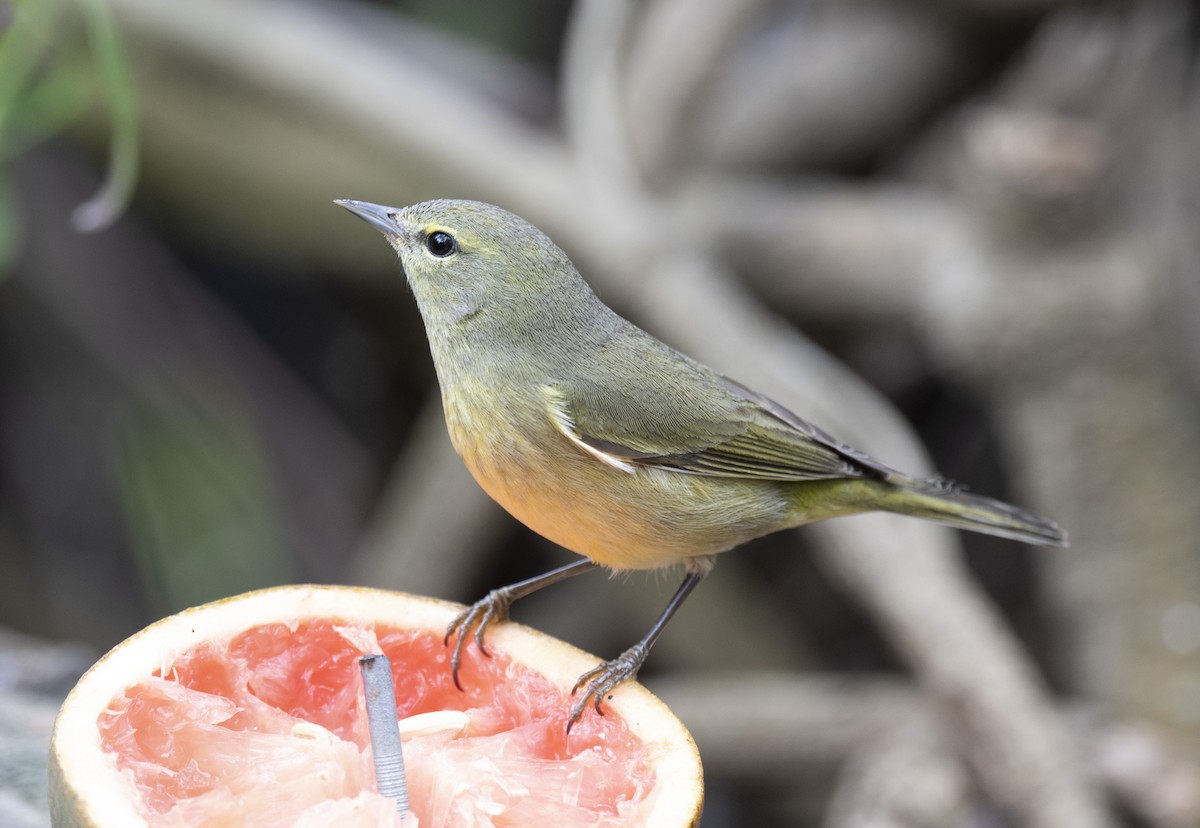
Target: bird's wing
[709,425]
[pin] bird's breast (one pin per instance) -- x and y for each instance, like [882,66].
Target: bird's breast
[644,520]
[527,467]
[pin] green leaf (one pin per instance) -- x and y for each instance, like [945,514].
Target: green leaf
[102,209]
[199,502]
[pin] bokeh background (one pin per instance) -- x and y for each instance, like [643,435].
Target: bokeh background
[961,234]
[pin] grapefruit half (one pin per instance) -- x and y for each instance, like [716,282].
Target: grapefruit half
[249,711]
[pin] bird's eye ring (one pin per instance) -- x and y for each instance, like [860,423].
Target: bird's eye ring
[440,244]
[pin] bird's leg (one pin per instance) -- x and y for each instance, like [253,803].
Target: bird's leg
[493,607]
[605,676]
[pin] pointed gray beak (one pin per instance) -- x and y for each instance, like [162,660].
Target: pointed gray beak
[376,215]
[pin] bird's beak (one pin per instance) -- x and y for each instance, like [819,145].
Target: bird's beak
[376,215]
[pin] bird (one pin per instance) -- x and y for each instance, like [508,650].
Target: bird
[607,441]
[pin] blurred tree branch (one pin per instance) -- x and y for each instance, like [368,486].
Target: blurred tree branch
[854,726]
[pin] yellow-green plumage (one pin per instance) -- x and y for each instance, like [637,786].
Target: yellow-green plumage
[609,442]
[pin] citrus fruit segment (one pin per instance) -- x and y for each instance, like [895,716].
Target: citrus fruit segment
[249,711]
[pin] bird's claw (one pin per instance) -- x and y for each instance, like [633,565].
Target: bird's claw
[603,678]
[471,623]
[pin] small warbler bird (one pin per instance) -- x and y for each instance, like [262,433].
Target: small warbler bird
[603,439]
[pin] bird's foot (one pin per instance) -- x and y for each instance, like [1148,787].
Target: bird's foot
[601,680]
[473,622]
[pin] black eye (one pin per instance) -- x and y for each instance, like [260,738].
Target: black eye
[440,244]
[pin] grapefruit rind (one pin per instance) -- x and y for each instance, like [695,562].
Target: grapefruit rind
[86,788]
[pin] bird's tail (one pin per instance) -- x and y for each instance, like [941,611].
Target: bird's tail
[940,502]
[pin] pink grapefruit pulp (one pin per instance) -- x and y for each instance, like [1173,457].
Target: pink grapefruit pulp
[249,711]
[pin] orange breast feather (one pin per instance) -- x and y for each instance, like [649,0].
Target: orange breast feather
[647,519]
